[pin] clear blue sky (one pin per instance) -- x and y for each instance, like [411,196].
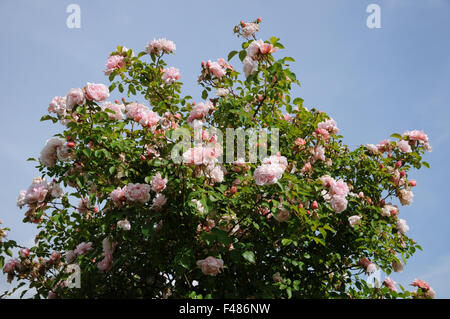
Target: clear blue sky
[373,82]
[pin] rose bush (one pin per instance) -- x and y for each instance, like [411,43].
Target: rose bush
[308,221]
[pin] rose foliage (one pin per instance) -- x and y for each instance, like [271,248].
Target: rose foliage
[307,221]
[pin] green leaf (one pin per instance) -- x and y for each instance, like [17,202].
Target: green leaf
[249,256]
[232,54]
[242,55]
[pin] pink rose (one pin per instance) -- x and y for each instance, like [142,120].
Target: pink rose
[114,62]
[282,215]
[354,220]
[159,201]
[149,118]
[250,66]
[83,248]
[116,108]
[137,192]
[117,195]
[405,196]
[402,226]
[171,75]
[158,183]
[338,203]
[388,282]
[96,92]
[339,188]
[10,265]
[74,97]
[421,284]
[210,266]
[136,111]
[124,224]
[404,147]
[216,69]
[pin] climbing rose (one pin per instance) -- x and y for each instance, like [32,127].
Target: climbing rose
[405,196]
[210,266]
[75,97]
[158,183]
[170,75]
[402,226]
[404,147]
[137,192]
[96,92]
[114,62]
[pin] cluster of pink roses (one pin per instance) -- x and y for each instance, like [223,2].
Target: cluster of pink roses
[142,114]
[200,111]
[171,75]
[255,52]
[63,106]
[337,192]
[81,249]
[140,193]
[39,192]
[271,170]
[424,288]
[250,28]
[325,129]
[160,46]
[217,69]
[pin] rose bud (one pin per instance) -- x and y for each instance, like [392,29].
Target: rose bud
[412,183]
[402,173]
[314,205]
[398,164]
[71,144]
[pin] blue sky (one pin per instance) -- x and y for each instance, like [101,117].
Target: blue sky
[373,82]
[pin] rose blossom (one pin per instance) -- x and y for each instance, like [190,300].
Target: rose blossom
[114,62]
[159,201]
[250,29]
[402,226]
[388,282]
[158,183]
[96,92]
[171,75]
[319,153]
[389,210]
[117,195]
[216,69]
[149,118]
[282,215]
[75,97]
[404,147]
[338,203]
[421,284]
[136,111]
[58,106]
[118,110]
[124,224]
[10,265]
[83,248]
[250,66]
[210,266]
[138,192]
[405,196]
[354,220]
[49,152]
[160,45]
[268,174]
